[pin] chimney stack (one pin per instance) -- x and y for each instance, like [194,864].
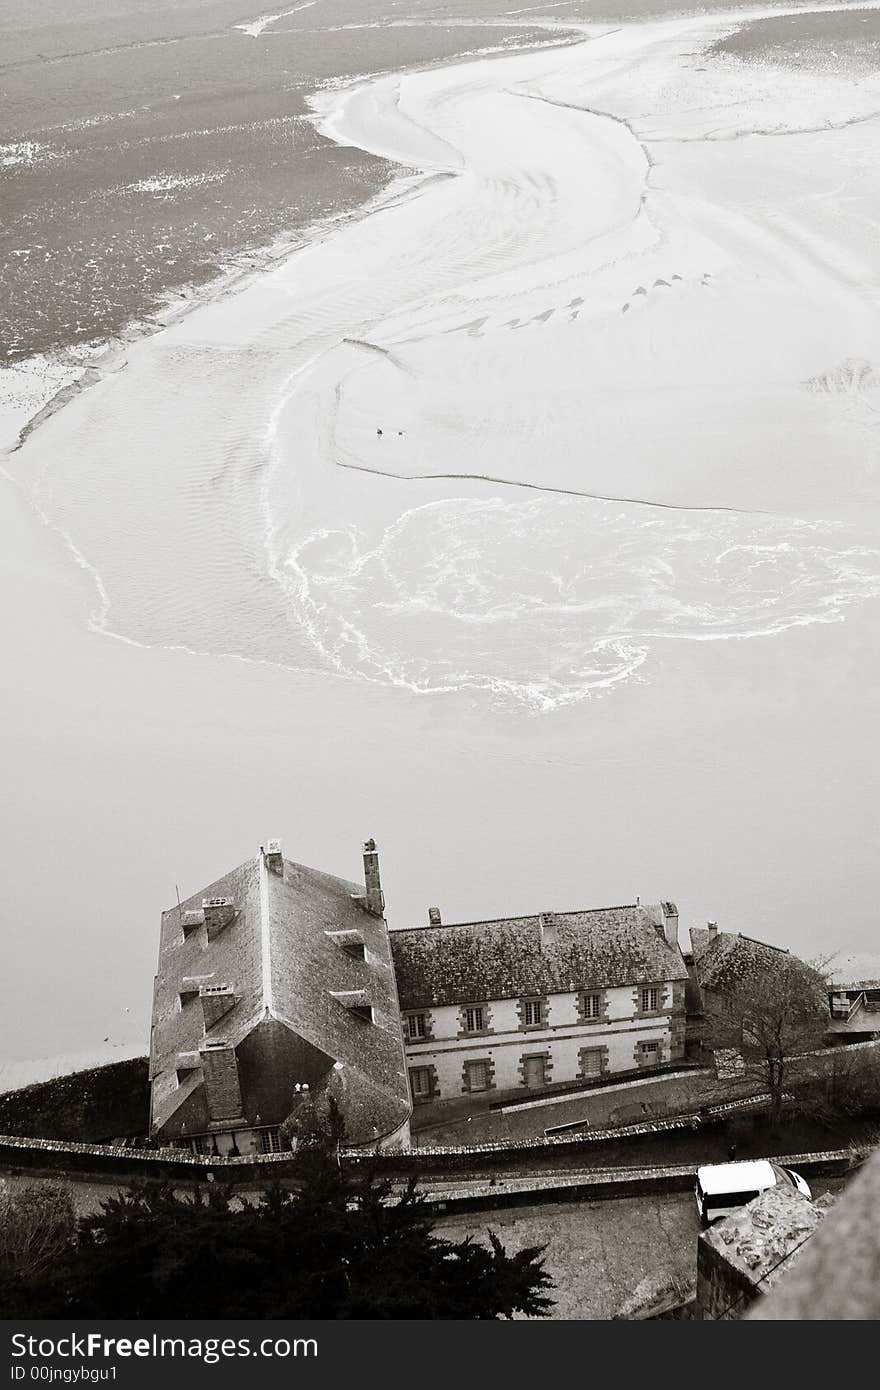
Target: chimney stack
[548,929]
[219,912]
[670,924]
[712,928]
[223,1093]
[434,917]
[274,858]
[374,900]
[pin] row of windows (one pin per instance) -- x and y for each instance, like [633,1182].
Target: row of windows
[267,1141]
[534,1070]
[533,1012]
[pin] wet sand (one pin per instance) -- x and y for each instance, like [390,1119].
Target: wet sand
[743,784]
[846,42]
[736,776]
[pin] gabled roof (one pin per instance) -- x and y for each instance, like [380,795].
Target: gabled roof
[723,959]
[469,962]
[284,967]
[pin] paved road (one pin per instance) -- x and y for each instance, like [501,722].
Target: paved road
[598,1252]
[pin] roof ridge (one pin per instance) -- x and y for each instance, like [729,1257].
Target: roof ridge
[265,946]
[768,945]
[522,917]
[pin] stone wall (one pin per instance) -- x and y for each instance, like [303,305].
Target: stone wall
[741,1258]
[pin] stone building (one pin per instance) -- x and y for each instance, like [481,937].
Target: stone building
[527,1002]
[720,959]
[724,967]
[274,978]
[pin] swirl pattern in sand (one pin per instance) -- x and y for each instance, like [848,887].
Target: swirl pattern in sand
[549,601]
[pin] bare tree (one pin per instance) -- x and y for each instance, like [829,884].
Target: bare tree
[772,1012]
[37,1225]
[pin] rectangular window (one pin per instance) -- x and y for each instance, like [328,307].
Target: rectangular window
[532,1013]
[534,1071]
[473,1020]
[592,1005]
[415,1027]
[650,999]
[420,1083]
[591,1061]
[270,1141]
[477,1076]
[719,1200]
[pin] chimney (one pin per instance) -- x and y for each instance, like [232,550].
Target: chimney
[217,1000]
[670,924]
[222,1090]
[374,900]
[547,926]
[434,917]
[219,912]
[274,858]
[712,928]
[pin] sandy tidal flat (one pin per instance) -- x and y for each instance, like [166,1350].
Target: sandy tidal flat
[600,373]
[585,405]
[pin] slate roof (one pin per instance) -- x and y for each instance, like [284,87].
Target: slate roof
[283,967]
[723,960]
[470,962]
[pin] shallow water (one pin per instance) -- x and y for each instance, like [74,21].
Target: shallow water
[141,154]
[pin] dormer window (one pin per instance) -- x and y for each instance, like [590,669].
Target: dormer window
[190,921]
[354,1001]
[351,942]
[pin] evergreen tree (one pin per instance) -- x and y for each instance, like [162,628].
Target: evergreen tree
[331,1246]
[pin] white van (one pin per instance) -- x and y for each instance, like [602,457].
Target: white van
[723,1187]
